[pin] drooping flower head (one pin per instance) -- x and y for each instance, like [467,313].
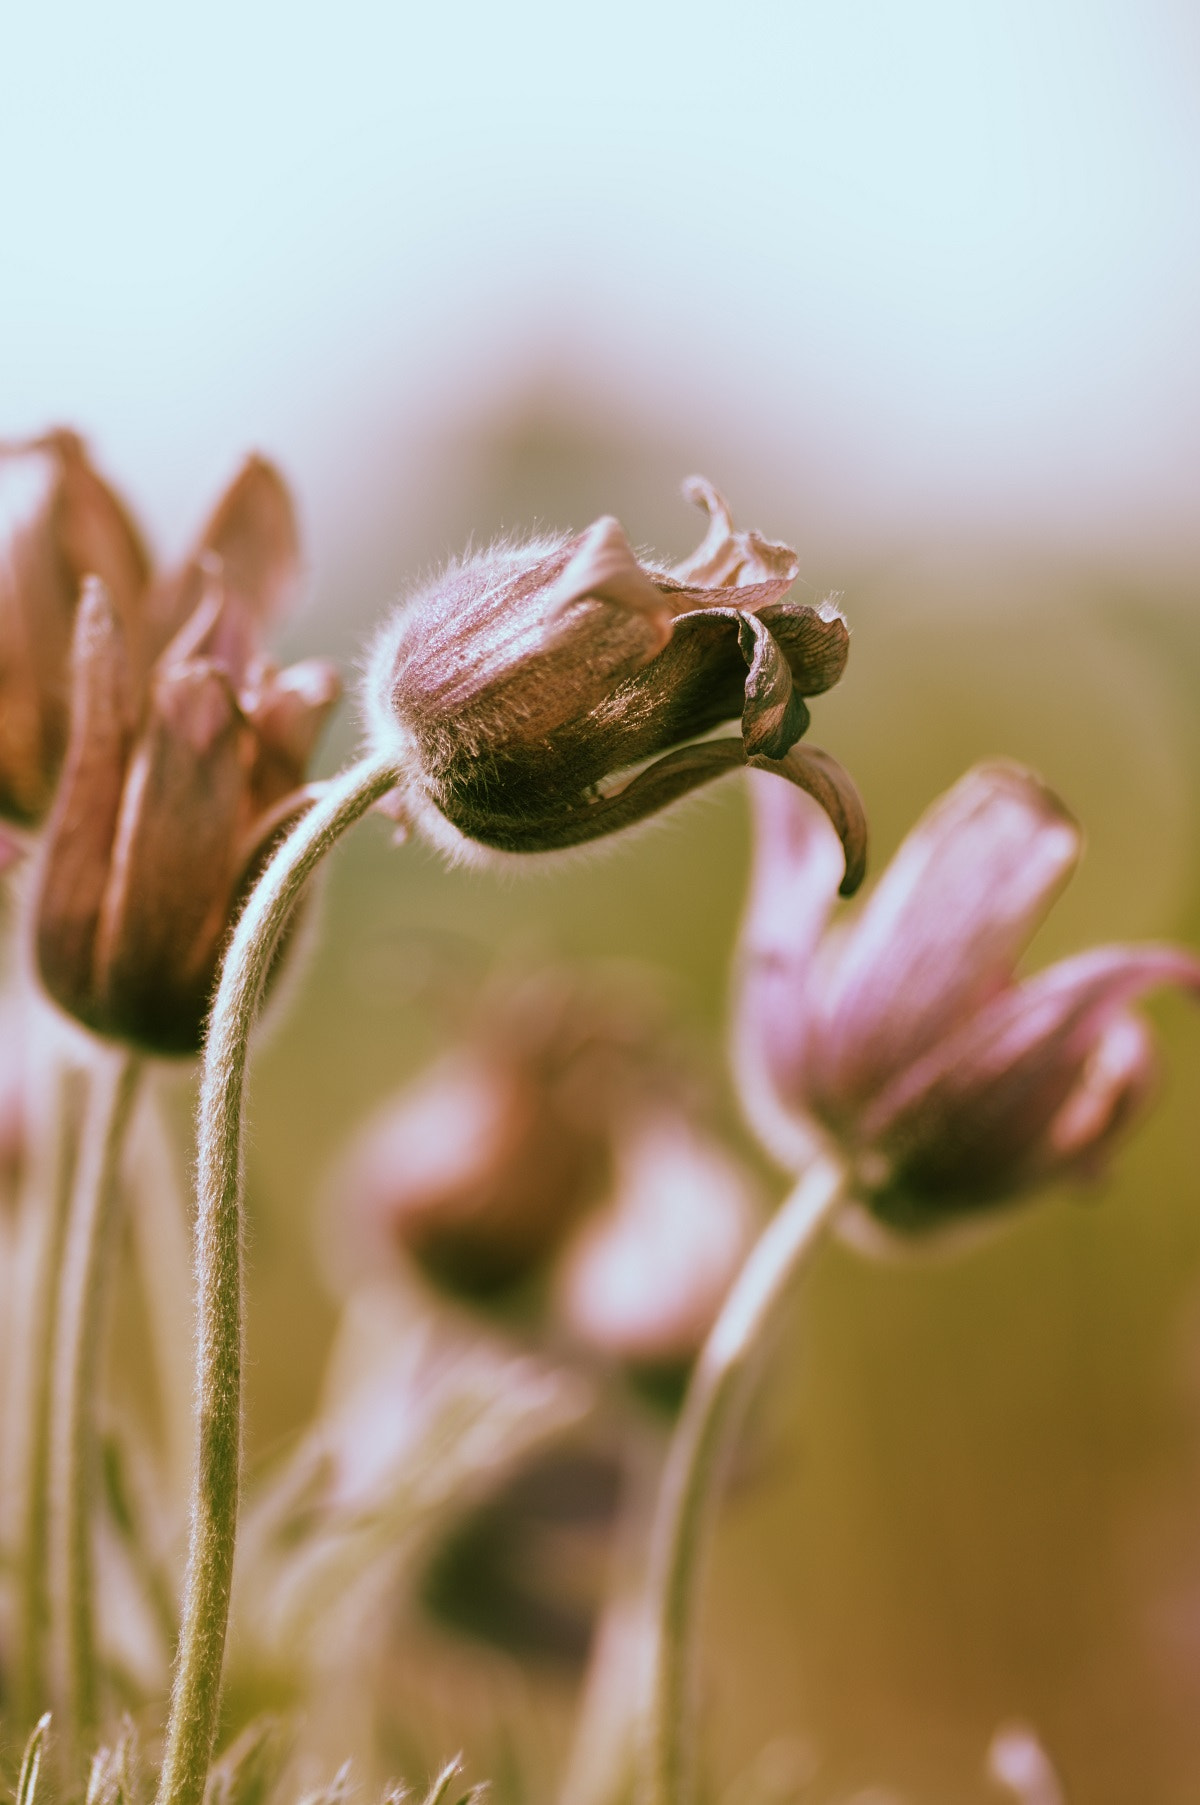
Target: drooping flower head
[58,523]
[186,758]
[523,688]
[904,1033]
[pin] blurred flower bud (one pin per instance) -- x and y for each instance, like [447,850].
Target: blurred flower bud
[642,1280]
[481,1167]
[58,523]
[186,758]
[904,1034]
[522,686]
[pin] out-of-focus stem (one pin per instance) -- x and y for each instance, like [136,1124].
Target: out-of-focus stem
[710,1415]
[45,1203]
[162,1244]
[196,1697]
[83,1290]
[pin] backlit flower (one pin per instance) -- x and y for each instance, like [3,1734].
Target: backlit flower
[904,1033]
[186,758]
[542,695]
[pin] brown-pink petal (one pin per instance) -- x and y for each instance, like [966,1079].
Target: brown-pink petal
[251,543]
[166,905]
[773,714]
[288,712]
[726,557]
[605,567]
[977,1117]
[820,776]
[1114,1085]
[798,865]
[58,523]
[99,535]
[943,929]
[104,715]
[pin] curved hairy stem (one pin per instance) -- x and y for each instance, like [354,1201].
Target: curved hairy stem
[694,1463]
[196,1697]
[83,1290]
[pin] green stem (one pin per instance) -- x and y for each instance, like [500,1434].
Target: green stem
[710,1415]
[83,1290]
[44,1211]
[195,1701]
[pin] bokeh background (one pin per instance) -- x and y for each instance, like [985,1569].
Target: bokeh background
[918,287]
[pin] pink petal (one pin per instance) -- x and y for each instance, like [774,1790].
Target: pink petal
[1113,1086]
[798,864]
[643,1279]
[942,930]
[1002,1102]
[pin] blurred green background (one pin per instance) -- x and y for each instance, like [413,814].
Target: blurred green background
[917,288]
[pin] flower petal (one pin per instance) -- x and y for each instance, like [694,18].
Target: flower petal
[1115,1083]
[832,786]
[572,822]
[943,928]
[80,833]
[58,523]
[643,1279]
[798,865]
[990,1109]
[287,714]
[773,715]
[167,901]
[726,557]
[815,641]
[251,543]
[605,567]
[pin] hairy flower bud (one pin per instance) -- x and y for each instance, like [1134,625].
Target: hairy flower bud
[904,1033]
[186,758]
[523,686]
[58,523]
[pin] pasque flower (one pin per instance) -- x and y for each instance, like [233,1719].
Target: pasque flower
[522,688]
[186,758]
[904,1033]
[58,523]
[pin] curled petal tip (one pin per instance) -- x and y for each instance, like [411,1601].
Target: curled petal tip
[830,785]
[726,557]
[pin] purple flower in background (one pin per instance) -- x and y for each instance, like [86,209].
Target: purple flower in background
[904,1034]
[522,688]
